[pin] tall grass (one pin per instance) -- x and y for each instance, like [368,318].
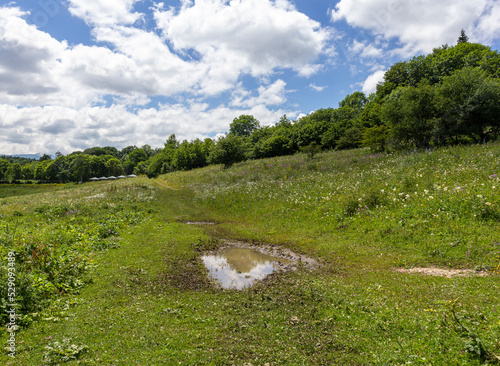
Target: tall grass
[439,207]
[55,236]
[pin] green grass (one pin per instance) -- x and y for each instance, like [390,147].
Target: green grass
[149,302]
[15,190]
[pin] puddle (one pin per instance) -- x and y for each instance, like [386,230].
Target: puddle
[199,223]
[239,266]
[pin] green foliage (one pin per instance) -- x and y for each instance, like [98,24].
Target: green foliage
[376,138]
[275,145]
[411,113]
[4,166]
[350,139]
[227,151]
[15,171]
[244,125]
[311,150]
[190,155]
[469,104]
[56,236]
[463,37]
[114,167]
[58,352]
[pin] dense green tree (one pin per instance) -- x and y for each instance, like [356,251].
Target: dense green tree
[463,37]
[15,172]
[228,150]
[244,125]
[350,139]
[126,151]
[411,113]
[161,163]
[114,167]
[190,155]
[276,145]
[98,151]
[28,171]
[376,138]
[40,170]
[81,167]
[4,166]
[133,158]
[172,142]
[141,168]
[98,166]
[470,104]
[355,101]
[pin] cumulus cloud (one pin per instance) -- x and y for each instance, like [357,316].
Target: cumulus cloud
[251,36]
[270,95]
[365,50]
[50,129]
[370,84]
[109,12]
[421,25]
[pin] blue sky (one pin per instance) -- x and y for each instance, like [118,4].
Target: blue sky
[82,73]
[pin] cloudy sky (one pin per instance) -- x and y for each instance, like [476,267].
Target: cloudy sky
[82,73]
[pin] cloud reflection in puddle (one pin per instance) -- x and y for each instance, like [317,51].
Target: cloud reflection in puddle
[238,268]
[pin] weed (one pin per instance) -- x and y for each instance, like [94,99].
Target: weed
[57,352]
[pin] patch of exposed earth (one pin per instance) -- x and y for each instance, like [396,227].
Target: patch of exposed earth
[441,272]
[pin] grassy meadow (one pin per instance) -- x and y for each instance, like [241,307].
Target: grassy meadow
[109,273]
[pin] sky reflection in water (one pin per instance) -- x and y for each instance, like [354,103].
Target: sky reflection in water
[240,267]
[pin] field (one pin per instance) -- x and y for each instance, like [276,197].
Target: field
[110,272]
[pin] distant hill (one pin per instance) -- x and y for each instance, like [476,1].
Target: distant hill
[27,156]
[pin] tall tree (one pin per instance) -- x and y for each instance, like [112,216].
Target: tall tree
[463,37]
[244,125]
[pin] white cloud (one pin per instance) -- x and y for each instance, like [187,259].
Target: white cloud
[317,87]
[104,12]
[420,25]
[49,129]
[250,36]
[51,93]
[370,84]
[488,27]
[269,95]
[364,50]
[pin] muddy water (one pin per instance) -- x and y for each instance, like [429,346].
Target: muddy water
[240,267]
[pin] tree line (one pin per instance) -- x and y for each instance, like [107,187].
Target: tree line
[450,96]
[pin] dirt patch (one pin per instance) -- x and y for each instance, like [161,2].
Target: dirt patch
[189,275]
[199,223]
[441,272]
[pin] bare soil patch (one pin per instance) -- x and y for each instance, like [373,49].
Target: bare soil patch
[442,272]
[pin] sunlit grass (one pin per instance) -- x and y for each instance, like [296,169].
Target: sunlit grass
[361,215]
